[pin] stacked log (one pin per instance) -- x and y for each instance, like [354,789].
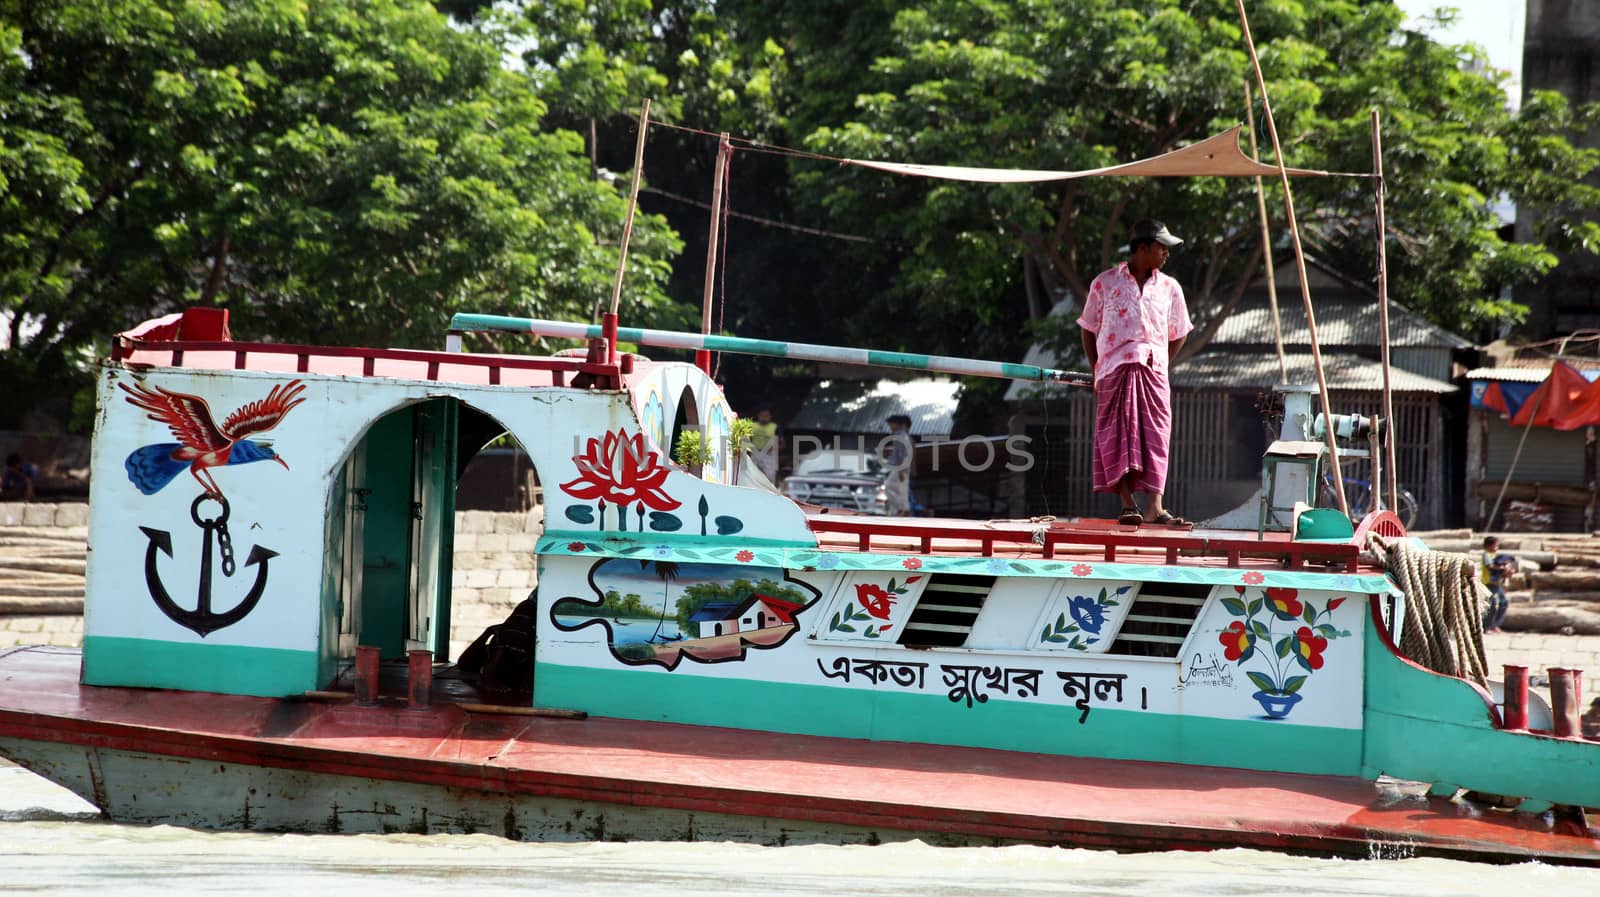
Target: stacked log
[1557,587]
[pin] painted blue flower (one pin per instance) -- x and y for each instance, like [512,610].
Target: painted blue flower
[663,551]
[655,419]
[828,562]
[1344,581]
[1087,613]
[1167,573]
[997,565]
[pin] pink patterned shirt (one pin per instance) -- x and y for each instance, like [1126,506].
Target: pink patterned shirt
[1133,326]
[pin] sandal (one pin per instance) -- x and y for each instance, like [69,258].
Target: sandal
[1167,518]
[1130,517]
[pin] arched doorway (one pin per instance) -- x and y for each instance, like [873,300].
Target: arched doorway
[687,421]
[390,534]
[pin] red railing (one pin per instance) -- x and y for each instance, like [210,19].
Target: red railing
[133,351]
[1104,538]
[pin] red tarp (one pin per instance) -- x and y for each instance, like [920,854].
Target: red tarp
[1566,400]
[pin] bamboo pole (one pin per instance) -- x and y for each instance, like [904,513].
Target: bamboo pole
[633,204]
[703,357]
[1266,243]
[1300,265]
[1391,474]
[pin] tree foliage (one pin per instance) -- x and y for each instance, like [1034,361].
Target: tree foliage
[354,170]
[1087,83]
[338,171]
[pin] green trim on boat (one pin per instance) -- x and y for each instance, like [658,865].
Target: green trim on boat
[845,712]
[1425,727]
[229,669]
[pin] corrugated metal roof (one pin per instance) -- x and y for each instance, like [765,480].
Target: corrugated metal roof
[863,406]
[1510,375]
[1342,320]
[1521,374]
[1235,369]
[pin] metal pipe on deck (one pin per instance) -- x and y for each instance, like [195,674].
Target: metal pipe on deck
[419,679]
[1566,702]
[366,680]
[672,339]
[1514,716]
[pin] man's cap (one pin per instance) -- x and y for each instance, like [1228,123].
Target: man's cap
[1151,229]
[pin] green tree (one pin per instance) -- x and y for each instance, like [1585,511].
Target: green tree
[1087,83]
[342,171]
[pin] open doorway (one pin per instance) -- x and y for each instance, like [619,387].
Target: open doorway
[688,450]
[390,541]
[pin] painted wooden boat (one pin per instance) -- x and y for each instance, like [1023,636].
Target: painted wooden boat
[808,676]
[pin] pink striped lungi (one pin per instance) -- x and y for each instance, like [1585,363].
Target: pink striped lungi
[1132,428]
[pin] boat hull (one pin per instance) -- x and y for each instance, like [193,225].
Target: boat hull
[247,763]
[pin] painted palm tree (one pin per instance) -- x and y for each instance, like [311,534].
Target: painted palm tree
[667,572]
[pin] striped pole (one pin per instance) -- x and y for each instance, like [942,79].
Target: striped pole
[671,339]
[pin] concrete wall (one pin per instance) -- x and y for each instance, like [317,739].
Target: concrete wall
[493,569]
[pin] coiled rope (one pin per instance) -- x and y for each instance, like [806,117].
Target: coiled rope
[1443,630]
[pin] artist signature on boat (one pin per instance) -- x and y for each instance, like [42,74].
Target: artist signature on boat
[1203,672]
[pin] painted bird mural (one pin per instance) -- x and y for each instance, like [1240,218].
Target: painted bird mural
[202,444]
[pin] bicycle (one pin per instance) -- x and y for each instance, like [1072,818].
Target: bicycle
[1358,496]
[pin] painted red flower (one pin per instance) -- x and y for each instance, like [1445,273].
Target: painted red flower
[574,546]
[1081,569]
[1285,603]
[620,470]
[1308,648]
[1253,578]
[745,557]
[874,599]
[1238,641]
[1335,602]
[912,563]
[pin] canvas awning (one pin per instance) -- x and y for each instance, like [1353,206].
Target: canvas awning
[1216,156]
[1567,399]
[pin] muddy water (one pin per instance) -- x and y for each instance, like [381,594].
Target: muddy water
[53,843]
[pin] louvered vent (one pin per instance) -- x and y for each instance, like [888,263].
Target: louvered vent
[1160,619]
[944,614]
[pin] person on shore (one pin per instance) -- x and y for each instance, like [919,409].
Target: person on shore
[1494,568]
[764,444]
[1134,321]
[896,450]
[16,484]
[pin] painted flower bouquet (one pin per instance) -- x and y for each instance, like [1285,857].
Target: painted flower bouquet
[1279,650]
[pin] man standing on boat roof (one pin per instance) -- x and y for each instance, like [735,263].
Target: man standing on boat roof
[1134,321]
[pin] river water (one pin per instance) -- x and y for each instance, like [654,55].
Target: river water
[53,843]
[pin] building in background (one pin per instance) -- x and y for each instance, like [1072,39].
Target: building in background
[1561,52]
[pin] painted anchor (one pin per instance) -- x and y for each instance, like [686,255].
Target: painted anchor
[202,620]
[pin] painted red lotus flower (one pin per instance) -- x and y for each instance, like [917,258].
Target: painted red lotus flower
[1285,603]
[1308,648]
[911,563]
[1253,578]
[1081,569]
[621,471]
[574,546]
[745,557]
[1238,641]
[874,599]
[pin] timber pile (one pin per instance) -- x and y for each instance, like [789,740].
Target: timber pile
[1557,590]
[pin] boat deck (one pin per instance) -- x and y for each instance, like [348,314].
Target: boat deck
[891,787]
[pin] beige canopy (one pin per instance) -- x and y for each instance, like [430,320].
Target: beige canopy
[1217,156]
